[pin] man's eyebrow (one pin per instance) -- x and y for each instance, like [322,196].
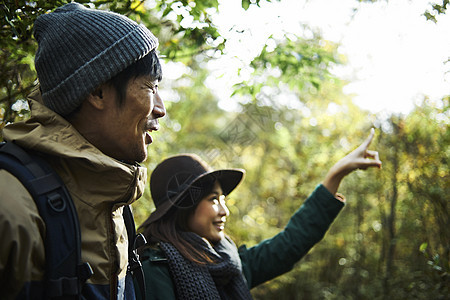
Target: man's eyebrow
[150,82]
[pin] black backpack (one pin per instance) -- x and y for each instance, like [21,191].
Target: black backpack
[65,274]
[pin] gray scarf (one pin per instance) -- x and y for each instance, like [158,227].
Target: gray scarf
[220,280]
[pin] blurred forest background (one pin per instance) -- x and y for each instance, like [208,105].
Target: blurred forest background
[392,241]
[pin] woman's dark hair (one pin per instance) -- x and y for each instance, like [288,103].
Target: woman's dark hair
[168,228]
[147,65]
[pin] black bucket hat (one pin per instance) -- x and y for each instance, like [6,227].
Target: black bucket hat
[178,180]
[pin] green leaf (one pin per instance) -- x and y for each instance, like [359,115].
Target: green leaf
[423,247]
[245,4]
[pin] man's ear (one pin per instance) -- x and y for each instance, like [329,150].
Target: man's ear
[96,98]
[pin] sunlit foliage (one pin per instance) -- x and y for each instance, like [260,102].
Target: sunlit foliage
[291,123]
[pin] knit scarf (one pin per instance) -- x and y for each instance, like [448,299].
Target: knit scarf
[220,280]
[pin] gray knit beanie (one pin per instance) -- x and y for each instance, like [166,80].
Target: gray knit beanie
[80,49]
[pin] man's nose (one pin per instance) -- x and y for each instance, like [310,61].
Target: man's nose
[159,110]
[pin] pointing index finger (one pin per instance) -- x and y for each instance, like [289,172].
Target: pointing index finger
[369,138]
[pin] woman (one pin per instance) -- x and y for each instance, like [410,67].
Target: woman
[190,257]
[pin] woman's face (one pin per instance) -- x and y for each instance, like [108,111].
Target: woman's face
[209,218]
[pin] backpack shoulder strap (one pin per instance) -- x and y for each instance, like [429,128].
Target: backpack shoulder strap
[64,273]
[134,242]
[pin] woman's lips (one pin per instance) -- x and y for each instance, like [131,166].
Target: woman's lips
[219,225]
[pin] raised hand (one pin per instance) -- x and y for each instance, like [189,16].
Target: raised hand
[360,158]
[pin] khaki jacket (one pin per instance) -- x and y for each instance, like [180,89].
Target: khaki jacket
[99,185]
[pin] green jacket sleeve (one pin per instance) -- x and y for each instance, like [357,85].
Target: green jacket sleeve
[277,255]
[158,281]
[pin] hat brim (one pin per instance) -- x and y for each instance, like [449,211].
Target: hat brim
[229,179]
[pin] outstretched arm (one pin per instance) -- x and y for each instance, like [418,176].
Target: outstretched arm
[308,225]
[360,158]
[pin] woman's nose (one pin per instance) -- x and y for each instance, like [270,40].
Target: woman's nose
[223,209]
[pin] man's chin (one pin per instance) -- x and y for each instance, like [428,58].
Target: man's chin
[144,155]
[139,156]
[142,159]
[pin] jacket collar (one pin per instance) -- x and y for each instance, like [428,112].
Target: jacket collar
[84,169]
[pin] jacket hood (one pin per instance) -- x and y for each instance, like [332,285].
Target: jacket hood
[91,171]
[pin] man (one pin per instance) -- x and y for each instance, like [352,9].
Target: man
[91,120]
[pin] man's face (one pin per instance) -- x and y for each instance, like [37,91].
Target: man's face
[127,132]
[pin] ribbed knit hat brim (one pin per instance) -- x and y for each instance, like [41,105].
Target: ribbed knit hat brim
[81,48]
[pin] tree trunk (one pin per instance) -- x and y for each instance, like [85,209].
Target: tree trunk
[391,225]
